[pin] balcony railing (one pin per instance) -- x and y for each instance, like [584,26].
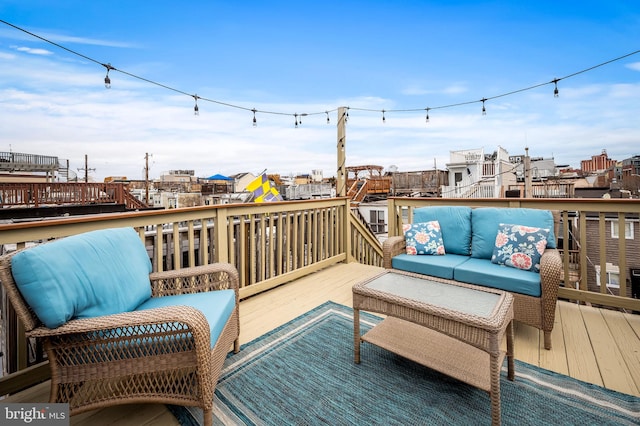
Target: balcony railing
[274,243]
[270,244]
[65,193]
[601,232]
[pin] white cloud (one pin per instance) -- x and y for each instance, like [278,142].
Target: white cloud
[65,111]
[634,66]
[33,51]
[420,90]
[59,38]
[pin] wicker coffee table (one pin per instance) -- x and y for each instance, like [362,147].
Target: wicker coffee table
[451,327]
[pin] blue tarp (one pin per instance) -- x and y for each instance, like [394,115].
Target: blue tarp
[219,177]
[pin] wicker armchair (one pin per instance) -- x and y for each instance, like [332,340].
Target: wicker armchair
[159,355]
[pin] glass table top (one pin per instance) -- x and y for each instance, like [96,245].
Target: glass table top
[435,293]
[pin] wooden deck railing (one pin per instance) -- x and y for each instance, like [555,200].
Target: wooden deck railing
[270,244]
[274,243]
[590,228]
[65,193]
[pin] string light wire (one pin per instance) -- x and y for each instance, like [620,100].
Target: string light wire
[109,67]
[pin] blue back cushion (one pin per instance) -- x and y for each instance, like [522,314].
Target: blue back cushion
[87,275]
[455,225]
[486,220]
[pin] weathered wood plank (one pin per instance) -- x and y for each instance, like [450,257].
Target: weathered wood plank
[608,356]
[526,346]
[556,358]
[628,344]
[582,363]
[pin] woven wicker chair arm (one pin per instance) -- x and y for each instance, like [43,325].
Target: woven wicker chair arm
[197,279]
[550,273]
[391,247]
[145,320]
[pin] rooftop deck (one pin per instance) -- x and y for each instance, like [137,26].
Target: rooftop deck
[594,345]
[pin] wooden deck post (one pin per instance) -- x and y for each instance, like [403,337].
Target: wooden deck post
[341,178]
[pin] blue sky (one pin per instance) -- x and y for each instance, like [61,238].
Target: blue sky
[311,57]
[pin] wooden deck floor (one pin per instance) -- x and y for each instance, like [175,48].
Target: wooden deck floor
[594,345]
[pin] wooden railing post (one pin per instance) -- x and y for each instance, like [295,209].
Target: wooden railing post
[392,224]
[221,242]
[346,214]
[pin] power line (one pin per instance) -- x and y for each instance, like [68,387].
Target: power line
[298,116]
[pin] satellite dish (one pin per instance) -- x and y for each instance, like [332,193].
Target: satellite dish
[393,168]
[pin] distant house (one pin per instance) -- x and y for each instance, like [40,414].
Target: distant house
[475,174]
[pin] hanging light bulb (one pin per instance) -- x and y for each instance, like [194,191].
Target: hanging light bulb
[328,121]
[484,110]
[427,118]
[296,116]
[301,115]
[196,110]
[384,120]
[255,122]
[555,90]
[107,80]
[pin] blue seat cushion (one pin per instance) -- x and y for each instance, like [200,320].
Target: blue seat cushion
[483,272]
[83,276]
[437,266]
[455,225]
[217,306]
[486,220]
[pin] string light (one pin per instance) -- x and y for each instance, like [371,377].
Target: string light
[196,110]
[255,122]
[107,81]
[384,120]
[296,116]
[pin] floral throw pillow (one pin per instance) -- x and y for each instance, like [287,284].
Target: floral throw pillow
[520,246]
[423,238]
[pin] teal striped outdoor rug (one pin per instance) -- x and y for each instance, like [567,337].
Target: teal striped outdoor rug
[303,374]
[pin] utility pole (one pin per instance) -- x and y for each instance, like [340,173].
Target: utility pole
[146,178]
[527,174]
[86,169]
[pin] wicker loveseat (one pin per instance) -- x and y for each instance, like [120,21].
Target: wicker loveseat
[114,332]
[469,240]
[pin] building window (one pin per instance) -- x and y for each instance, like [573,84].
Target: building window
[613,275]
[376,220]
[628,229]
